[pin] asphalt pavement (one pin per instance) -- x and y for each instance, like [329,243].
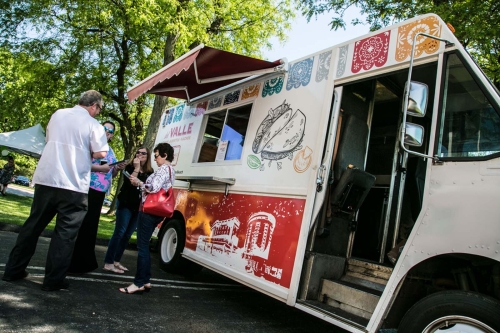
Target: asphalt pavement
[207,302]
[29,192]
[20,190]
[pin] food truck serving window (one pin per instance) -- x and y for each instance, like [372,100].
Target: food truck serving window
[224,134]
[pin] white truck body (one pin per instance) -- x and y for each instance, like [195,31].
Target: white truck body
[257,209]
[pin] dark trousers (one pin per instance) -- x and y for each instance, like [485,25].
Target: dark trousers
[83,259]
[147,224]
[70,208]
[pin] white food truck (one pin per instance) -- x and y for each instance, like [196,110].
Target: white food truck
[360,184]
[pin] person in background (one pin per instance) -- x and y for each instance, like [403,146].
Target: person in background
[6,174]
[127,210]
[164,178]
[101,177]
[62,179]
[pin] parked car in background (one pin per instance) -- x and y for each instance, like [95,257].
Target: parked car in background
[107,202]
[22,180]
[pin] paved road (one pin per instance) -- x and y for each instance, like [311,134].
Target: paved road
[207,303]
[28,192]
[20,190]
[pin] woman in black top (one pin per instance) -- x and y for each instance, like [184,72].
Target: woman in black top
[129,200]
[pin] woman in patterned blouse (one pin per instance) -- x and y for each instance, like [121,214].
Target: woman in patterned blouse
[162,178]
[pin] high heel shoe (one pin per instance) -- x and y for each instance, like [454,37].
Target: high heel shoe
[147,287]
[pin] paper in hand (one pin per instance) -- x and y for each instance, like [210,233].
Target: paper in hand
[118,162]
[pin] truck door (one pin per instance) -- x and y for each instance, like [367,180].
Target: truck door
[382,223]
[357,224]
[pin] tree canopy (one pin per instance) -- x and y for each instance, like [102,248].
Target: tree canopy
[475,22]
[109,45]
[55,50]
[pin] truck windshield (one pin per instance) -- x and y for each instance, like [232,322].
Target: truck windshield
[470,125]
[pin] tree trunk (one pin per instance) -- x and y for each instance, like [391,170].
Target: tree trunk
[154,122]
[160,101]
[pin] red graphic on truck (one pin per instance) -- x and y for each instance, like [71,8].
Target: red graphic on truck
[371,51]
[255,235]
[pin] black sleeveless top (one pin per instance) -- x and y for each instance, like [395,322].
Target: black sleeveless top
[129,195]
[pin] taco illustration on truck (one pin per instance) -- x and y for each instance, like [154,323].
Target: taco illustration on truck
[280,134]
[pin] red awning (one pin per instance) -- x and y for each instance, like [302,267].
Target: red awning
[200,71]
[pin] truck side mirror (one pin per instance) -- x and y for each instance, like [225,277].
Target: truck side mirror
[414,135]
[417,100]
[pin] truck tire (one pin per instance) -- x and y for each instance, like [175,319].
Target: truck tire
[171,244]
[453,311]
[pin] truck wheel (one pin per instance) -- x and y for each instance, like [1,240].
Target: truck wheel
[171,244]
[453,311]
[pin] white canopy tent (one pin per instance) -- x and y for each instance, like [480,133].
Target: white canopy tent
[29,141]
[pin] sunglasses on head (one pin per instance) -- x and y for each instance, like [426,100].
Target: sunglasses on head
[109,130]
[141,152]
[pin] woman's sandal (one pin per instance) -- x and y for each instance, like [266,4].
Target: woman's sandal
[147,287]
[137,291]
[113,269]
[120,266]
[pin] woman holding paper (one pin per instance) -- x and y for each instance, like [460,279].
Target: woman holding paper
[101,176]
[127,210]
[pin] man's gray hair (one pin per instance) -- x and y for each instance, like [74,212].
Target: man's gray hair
[89,98]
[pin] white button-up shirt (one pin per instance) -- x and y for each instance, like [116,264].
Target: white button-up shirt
[72,135]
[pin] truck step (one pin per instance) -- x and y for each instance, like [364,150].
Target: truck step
[358,271]
[360,280]
[357,300]
[335,312]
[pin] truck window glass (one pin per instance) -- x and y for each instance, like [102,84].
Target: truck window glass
[470,126]
[228,127]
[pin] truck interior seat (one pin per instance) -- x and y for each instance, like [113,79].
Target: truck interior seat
[352,183]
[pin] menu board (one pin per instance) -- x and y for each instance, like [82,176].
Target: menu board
[221,151]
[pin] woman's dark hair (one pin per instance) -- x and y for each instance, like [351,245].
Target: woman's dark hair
[110,122]
[147,167]
[164,149]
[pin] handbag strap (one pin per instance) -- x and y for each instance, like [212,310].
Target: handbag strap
[171,175]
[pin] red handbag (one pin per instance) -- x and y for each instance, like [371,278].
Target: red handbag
[161,203]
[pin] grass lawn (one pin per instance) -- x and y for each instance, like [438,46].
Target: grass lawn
[15,209]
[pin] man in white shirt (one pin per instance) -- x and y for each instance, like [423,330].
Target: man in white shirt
[62,180]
